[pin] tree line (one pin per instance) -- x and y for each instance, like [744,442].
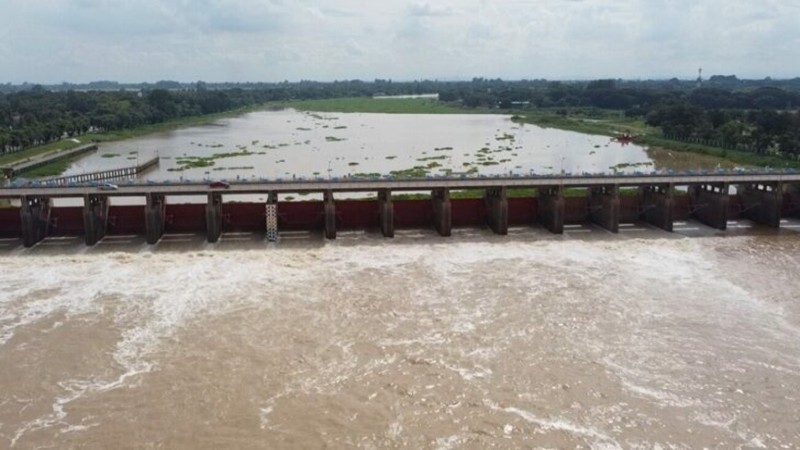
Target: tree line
[755,115]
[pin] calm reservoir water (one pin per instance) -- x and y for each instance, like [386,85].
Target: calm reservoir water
[288,143]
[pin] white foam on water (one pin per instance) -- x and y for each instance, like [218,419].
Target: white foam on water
[152,296]
[477,373]
[263,416]
[595,438]
[155,295]
[448,443]
[631,379]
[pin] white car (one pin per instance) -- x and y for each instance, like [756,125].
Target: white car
[108,187]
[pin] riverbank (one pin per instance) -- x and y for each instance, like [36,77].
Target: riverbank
[592,121]
[588,121]
[614,123]
[377,105]
[59,167]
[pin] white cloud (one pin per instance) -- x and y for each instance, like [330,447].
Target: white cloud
[238,40]
[429,10]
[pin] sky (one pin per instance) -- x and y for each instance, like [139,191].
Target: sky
[54,41]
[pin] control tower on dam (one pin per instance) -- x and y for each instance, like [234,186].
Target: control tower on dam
[496,203]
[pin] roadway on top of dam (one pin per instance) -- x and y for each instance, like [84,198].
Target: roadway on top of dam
[399,184]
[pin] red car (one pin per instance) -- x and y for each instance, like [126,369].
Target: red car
[219,185]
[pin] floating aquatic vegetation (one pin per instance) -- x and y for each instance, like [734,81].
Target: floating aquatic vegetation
[630,165]
[431,158]
[414,172]
[367,175]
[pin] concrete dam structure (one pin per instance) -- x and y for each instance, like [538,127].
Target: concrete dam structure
[606,201]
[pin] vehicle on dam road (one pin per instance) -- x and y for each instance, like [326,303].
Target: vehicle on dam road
[219,185]
[108,187]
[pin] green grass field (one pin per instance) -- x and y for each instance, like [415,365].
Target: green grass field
[370,105]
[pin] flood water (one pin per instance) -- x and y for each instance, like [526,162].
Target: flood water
[644,339]
[286,144]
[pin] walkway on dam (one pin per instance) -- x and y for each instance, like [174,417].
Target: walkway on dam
[14,170]
[400,184]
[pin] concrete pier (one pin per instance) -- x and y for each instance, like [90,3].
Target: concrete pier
[762,203]
[386,212]
[442,211]
[604,207]
[271,217]
[551,208]
[330,215]
[95,218]
[710,203]
[793,199]
[35,216]
[497,210]
[214,217]
[655,205]
[155,217]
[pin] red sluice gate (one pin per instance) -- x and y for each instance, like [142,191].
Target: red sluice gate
[350,215]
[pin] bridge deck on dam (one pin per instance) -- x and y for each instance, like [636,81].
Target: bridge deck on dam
[365,185]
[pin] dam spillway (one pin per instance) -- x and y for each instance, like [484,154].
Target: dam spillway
[606,201]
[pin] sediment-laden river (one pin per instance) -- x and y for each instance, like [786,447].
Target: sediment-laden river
[644,339]
[286,144]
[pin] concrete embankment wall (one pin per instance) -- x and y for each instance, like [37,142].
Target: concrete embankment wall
[350,215]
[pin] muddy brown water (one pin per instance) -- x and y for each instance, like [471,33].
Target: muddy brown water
[644,339]
[286,144]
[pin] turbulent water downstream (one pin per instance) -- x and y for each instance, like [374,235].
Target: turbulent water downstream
[644,339]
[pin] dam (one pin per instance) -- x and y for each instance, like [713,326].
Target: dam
[607,200]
